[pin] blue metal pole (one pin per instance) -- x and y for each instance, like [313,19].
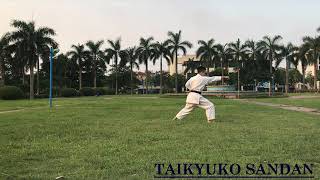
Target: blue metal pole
[51,62]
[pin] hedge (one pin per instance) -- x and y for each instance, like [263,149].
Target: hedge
[11,93]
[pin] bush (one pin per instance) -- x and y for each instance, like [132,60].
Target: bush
[11,93]
[100,91]
[69,92]
[109,91]
[87,91]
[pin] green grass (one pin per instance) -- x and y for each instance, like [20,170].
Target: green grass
[122,137]
[306,102]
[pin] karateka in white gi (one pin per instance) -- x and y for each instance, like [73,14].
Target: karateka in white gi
[194,99]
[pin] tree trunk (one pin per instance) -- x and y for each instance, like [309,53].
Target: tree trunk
[176,78]
[315,66]
[239,83]
[147,76]
[287,76]
[270,81]
[1,74]
[80,75]
[38,78]
[23,76]
[131,78]
[116,76]
[303,74]
[94,72]
[31,82]
[222,81]
[161,74]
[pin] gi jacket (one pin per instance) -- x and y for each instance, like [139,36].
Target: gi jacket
[197,83]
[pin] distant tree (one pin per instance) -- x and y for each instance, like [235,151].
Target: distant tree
[161,51]
[239,52]
[130,56]
[114,52]
[206,52]
[96,55]
[313,45]
[290,53]
[78,53]
[304,60]
[223,55]
[146,49]
[191,65]
[32,41]
[4,53]
[175,44]
[270,48]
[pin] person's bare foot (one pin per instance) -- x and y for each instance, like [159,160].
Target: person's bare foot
[211,121]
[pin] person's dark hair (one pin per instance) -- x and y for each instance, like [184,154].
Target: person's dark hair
[201,69]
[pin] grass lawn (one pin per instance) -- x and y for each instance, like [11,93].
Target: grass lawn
[305,102]
[122,137]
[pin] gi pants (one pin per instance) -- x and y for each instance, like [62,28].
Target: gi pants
[196,100]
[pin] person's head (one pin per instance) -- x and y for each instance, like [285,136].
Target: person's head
[201,70]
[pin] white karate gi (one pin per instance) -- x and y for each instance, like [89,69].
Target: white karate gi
[197,83]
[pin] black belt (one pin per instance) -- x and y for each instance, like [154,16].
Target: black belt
[196,91]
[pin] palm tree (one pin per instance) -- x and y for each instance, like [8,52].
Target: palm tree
[270,47]
[175,44]
[304,60]
[146,51]
[253,49]
[223,54]
[4,44]
[313,53]
[239,52]
[114,52]
[78,53]
[34,41]
[289,53]
[191,65]
[206,52]
[130,56]
[96,54]
[161,51]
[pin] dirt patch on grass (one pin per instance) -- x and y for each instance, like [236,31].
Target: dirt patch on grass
[284,106]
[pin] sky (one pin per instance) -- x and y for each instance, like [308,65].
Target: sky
[78,21]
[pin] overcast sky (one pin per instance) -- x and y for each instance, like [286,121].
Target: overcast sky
[224,20]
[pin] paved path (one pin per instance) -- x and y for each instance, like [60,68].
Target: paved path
[283,106]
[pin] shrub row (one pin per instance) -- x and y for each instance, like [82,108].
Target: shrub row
[86,91]
[12,92]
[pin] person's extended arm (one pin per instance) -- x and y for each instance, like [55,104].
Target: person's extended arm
[213,78]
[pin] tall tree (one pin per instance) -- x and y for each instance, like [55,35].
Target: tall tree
[313,53]
[175,44]
[146,50]
[33,41]
[78,53]
[223,55]
[206,52]
[161,51]
[304,60]
[4,52]
[270,47]
[289,52]
[239,52]
[113,53]
[130,55]
[96,55]
[191,65]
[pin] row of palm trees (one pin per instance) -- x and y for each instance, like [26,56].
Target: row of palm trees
[27,45]
[269,48]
